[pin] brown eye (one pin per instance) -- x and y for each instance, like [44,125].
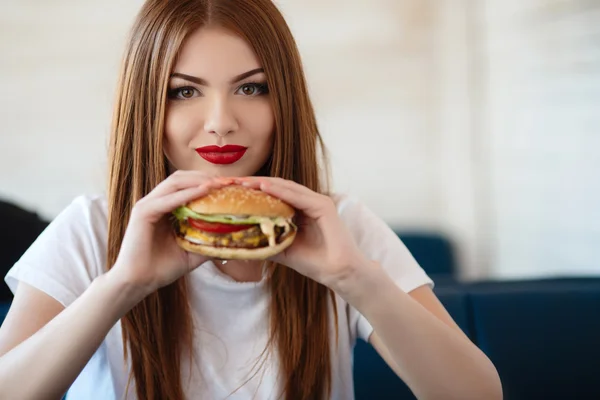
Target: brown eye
[249,90]
[186,92]
[183,93]
[252,89]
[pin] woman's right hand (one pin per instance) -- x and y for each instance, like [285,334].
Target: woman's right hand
[150,257]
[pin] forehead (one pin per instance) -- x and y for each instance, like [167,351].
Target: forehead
[216,55]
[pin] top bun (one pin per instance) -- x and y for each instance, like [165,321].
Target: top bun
[241,200]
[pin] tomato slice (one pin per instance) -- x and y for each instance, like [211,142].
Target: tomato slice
[215,227]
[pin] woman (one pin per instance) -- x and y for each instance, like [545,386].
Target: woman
[108,306]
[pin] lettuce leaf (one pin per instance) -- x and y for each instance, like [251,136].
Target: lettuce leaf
[183,212]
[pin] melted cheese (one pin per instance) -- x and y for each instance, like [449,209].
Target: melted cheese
[267,226]
[198,237]
[254,241]
[237,235]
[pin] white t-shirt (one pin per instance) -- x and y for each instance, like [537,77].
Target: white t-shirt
[231,318]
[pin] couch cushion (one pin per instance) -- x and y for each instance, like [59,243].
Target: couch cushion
[3,311]
[432,251]
[19,230]
[543,337]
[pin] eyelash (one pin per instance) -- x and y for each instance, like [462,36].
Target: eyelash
[261,87]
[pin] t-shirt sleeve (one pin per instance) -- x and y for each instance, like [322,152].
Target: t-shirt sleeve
[379,243]
[64,259]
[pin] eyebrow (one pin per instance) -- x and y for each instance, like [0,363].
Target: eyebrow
[203,82]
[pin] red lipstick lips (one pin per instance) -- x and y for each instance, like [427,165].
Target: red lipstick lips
[227,154]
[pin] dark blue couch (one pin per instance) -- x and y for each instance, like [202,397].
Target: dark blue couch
[543,336]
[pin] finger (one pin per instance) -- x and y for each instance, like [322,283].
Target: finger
[157,207]
[263,183]
[180,180]
[311,204]
[224,180]
[256,181]
[254,184]
[298,196]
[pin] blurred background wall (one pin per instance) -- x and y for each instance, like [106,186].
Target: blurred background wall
[475,119]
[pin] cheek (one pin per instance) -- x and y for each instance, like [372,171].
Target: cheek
[261,123]
[179,128]
[174,124]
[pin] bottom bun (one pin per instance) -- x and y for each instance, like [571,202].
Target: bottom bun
[232,253]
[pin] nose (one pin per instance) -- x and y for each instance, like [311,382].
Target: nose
[220,119]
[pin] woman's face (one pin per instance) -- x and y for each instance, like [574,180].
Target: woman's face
[219,116]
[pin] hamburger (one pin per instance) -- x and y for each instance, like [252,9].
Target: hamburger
[235,222]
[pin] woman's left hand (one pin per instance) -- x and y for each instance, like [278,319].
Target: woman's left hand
[324,249]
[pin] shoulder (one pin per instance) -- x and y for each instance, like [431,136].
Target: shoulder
[356,214]
[84,221]
[69,253]
[92,206]
[347,205]
[342,200]
[379,242]
[371,232]
[85,212]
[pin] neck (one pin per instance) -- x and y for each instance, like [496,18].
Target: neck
[242,271]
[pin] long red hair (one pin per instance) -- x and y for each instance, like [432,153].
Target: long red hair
[155,337]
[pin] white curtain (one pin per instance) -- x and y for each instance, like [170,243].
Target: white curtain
[538,69]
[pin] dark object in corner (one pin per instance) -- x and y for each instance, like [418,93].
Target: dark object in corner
[18,231]
[433,251]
